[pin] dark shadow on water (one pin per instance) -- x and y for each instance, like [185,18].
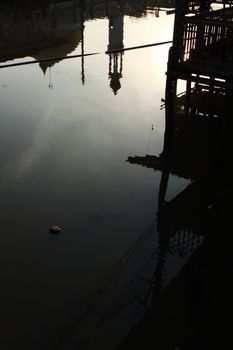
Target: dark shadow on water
[192,309]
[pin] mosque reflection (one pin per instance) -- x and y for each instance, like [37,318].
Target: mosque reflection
[116,34]
[47,29]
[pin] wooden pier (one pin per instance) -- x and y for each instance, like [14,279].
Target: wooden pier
[198,131]
[202,55]
[196,225]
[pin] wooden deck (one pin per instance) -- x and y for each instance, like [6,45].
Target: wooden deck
[203,44]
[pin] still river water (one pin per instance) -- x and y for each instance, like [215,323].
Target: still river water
[64,146]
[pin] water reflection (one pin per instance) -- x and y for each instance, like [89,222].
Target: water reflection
[29,32]
[56,29]
[116,35]
[62,162]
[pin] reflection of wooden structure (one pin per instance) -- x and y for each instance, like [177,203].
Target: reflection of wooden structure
[193,157]
[181,221]
[195,236]
[194,228]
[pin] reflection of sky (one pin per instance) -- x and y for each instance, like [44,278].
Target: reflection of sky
[62,161]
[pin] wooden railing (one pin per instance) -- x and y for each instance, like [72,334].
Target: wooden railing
[225,14]
[208,38]
[200,5]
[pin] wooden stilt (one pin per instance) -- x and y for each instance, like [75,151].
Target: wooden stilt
[170,95]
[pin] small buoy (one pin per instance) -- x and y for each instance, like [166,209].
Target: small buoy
[55,229]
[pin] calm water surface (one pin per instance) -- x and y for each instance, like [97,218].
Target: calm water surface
[64,146]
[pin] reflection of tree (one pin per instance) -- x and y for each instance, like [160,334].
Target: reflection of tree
[38,34]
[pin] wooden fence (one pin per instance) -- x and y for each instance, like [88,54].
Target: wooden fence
[208,38]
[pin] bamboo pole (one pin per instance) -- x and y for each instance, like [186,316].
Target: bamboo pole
[46,60]
[138,47]
[83,55]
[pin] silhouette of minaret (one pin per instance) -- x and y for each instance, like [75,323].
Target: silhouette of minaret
[82,8]
[116,34]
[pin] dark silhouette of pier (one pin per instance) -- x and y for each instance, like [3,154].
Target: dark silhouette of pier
[191,309]
[201,55]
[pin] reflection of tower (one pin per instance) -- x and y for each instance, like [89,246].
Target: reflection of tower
[82,40]
[116,34]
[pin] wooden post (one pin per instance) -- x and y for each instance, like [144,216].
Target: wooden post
[188,96]
[178,29]
[170,95]
[226,145]
[175,54]
[188,88]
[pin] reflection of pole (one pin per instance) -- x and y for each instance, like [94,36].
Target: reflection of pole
[82,40]
[163,188]
[163,228]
